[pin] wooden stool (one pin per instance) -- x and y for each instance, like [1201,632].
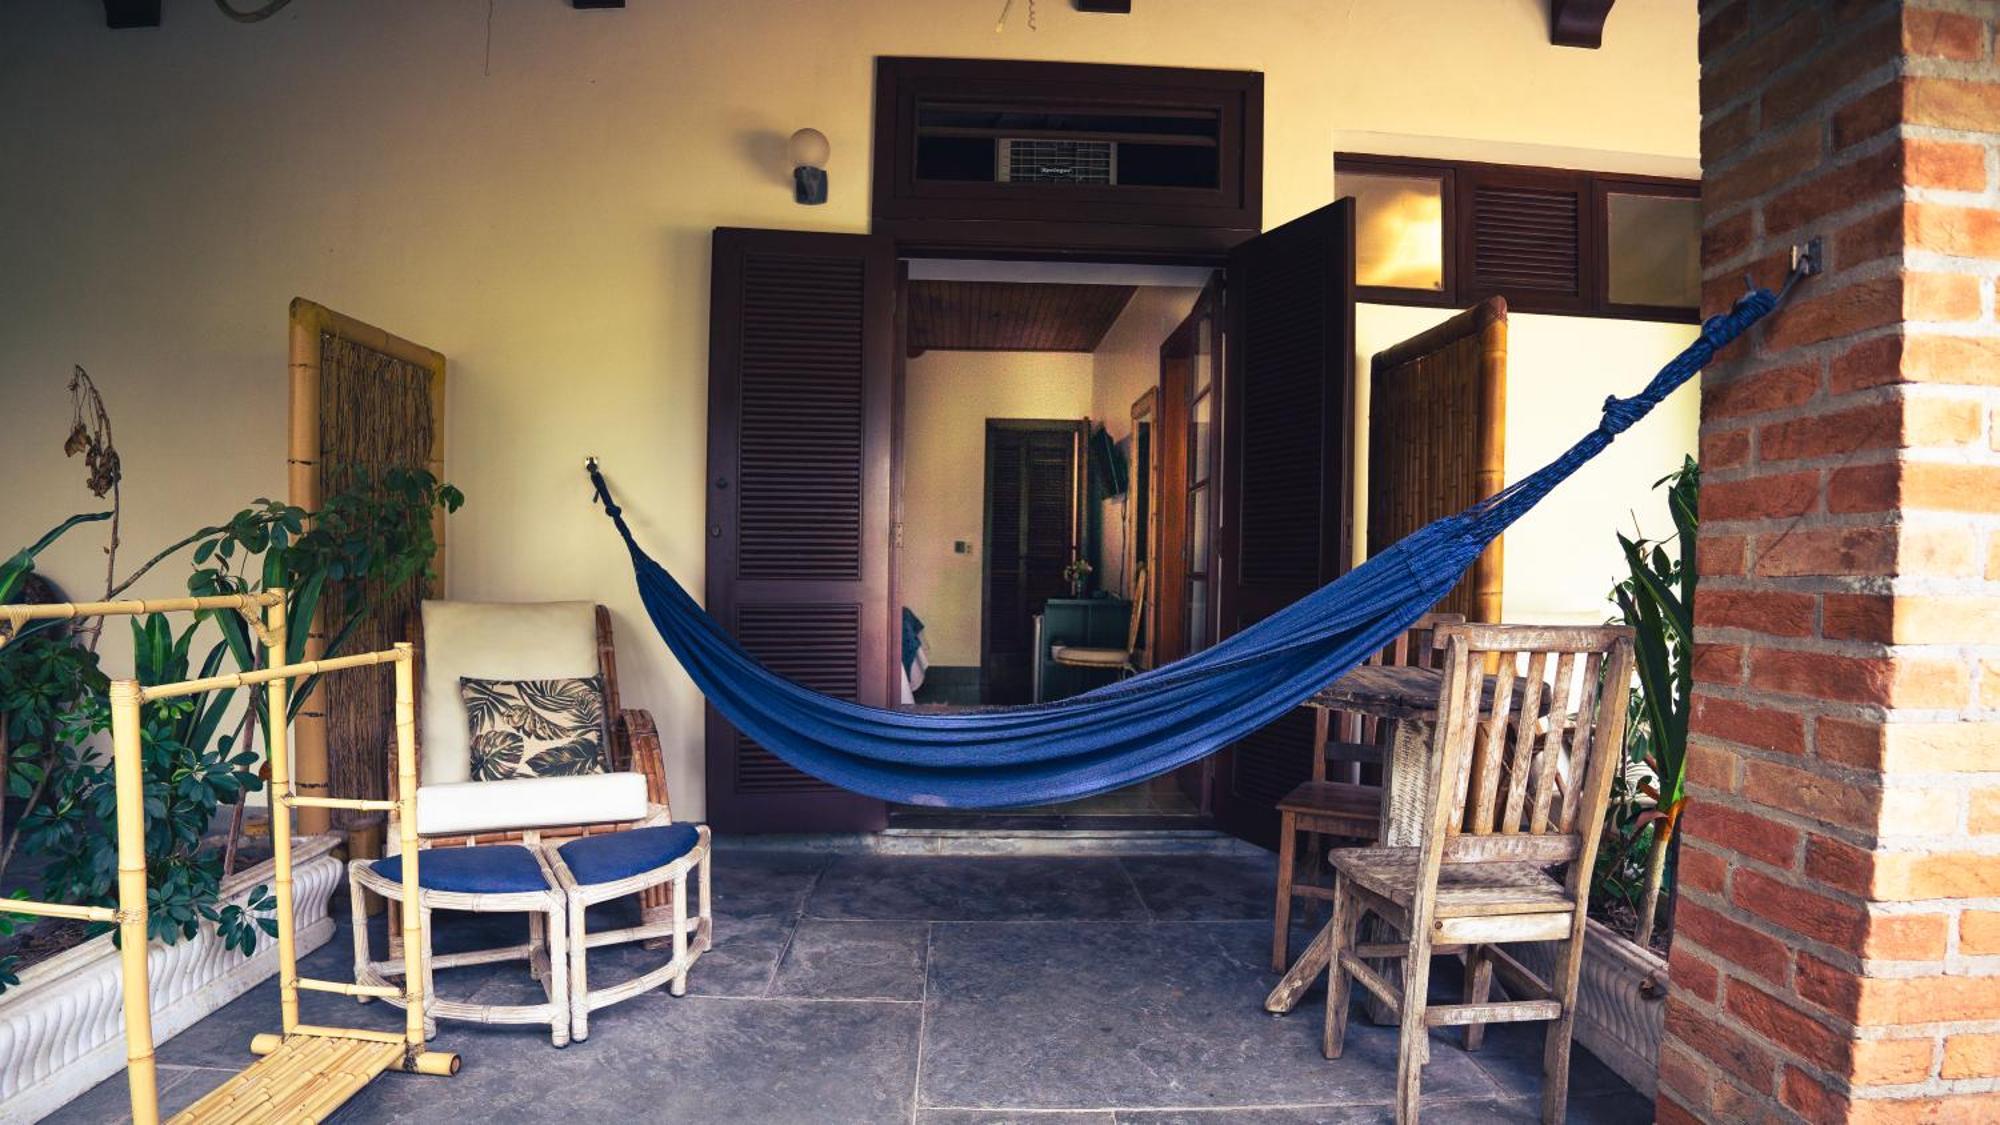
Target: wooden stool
[489,879]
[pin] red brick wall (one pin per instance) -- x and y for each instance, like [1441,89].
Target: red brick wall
[1837,945]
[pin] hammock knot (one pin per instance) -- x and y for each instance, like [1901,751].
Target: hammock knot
[1621,413]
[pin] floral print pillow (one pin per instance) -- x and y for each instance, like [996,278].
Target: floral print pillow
[535,728]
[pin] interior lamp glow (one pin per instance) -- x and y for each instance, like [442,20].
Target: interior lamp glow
[809,150]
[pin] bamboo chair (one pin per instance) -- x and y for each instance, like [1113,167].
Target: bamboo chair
[1345,808]
[633,742]
[1502,814]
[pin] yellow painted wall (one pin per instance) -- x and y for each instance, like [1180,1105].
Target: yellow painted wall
[532,194]
[1125,364]
[1562,558]
[950,397]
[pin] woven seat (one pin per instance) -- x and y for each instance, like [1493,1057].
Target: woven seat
[497,870]
[1090,657]
[1463,890]
[621,855]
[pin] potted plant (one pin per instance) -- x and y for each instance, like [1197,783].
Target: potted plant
[206,917]
[1621,1001]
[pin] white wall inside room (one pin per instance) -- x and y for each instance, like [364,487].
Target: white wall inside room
[530,189]
[1562,558]
[948,398]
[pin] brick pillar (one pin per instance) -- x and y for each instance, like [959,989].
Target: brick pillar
[1837,945]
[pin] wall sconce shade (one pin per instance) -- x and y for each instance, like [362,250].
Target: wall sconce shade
[809,151]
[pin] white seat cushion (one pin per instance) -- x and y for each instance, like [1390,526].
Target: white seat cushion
[1089,657]
[493,641]
[455,808]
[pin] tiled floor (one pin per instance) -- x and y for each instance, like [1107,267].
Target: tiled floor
[932,990]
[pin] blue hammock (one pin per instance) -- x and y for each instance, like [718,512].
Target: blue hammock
[1149,724]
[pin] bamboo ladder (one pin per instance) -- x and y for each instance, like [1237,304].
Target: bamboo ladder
[306,1071]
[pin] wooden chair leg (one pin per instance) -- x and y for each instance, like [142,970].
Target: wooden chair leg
[1478,987]
[1412,1045]
[1281,918]
[1555,1047]
[1339,986]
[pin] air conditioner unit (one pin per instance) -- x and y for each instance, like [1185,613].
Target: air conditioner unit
[1026,161]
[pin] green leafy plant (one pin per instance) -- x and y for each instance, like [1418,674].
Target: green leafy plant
[1657,601]
[371,537]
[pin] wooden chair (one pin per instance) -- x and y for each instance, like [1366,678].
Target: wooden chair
[528,641]
[1505,809]
[1346,807]
[1123,659]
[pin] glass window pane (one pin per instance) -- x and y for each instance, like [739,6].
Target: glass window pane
[1197,623]
[1204,354]
[1398,229]
[1198,531]
[1655,250]
[1201,435]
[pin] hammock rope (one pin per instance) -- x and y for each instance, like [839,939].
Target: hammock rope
[1152,722]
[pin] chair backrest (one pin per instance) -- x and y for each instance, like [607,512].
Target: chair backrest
[1138,611]
[496,641]
[1521,765]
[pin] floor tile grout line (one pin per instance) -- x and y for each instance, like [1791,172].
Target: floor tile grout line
[791,935]
[923,1023]
[1151,914]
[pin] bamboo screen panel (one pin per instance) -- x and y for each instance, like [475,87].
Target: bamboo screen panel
[363,402]
[1437,422]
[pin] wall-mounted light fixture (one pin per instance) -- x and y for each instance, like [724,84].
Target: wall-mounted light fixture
[809,150]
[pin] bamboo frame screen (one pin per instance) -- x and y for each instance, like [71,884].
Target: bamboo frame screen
[1437,439]
[306,1071]
[362,399]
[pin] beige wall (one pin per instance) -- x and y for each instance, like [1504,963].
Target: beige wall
[535,202]
[1125,364]
[1562,558]
[950,395]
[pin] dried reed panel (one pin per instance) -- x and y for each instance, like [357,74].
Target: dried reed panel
[375,413]
[1437,439]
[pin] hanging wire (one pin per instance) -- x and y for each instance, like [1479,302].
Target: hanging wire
[270,8]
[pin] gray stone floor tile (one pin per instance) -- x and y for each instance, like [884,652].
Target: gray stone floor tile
[830,960]
[1205,887]
[690,1059]
[1010,888]
[1133,1016]
[110,1101]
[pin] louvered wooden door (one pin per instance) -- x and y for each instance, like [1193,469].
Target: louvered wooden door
[1284,512]
[801,341]
[1033,521]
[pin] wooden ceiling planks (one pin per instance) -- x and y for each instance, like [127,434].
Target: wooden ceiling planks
[1006,316]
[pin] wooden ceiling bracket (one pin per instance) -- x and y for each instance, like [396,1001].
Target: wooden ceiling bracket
[1578,23]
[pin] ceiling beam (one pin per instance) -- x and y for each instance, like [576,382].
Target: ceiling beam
[1578,23]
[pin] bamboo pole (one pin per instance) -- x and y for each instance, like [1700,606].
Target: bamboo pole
[132,939]
[406,814]
[19,615]
[278,749]
[266,675]
[60,910]
[308,320]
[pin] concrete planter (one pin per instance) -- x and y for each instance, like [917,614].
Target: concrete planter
[1621,1007]
[62,1029]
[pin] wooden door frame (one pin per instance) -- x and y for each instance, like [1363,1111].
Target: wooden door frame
[1079,431]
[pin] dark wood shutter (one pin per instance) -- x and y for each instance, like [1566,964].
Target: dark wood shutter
[1285,512]
[1529,237]
[801,341]
[1032,499]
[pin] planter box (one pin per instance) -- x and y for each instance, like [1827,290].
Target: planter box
[1621,1005]
[62,1029]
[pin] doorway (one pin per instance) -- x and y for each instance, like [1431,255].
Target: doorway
[1034,500]
[812,390]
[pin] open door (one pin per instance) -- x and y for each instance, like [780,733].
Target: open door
[800,402]
[1284,508]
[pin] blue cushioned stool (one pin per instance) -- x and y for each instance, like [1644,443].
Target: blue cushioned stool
[594,869]
[489,879]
